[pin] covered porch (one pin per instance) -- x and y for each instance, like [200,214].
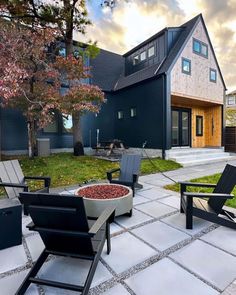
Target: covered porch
[196,122]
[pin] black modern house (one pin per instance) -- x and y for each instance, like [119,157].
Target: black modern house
[167,91]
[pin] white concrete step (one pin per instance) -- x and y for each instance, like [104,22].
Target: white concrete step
[195,151]
[197,156]
[201,161]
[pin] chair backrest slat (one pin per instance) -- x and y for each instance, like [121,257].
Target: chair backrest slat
[62,213]
[225,185]
[6,176]
[130,164]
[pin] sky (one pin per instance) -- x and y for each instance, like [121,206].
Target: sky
[133,21]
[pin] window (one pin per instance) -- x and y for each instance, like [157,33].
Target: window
[151,51]
[120,115]
[51,127]
[186,66]
[200,48]
[143,56]
[199,125]
[133,112]
[231,100]
[67,123]
[196,46]
[212,75]
[62,52]
[136,60]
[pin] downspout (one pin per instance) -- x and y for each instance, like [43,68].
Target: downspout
[164,116]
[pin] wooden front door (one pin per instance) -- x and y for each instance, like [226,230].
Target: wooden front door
[181,127]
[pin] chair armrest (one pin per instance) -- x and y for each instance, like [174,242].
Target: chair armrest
[6,184]
[209,195]
[47,180]
[109,173]
[107,215]
[183,183]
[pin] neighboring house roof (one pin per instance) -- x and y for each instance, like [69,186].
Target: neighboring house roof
[106,68]
[232,92]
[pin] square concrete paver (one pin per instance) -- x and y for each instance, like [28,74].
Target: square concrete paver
[155,209]
[115,228]
[117,290]
[210,263]
[160,235]
[35,245]
[9,285]
[179,221]
[153,194]
[138,199]
[12,258]
[126,251]
[222,237]
[166,278]
[137,218]
[172,201]
[72,271]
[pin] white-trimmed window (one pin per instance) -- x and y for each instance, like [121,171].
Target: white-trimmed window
[151,51]
[133,112]
[120,115]
[143,56]
[136,60]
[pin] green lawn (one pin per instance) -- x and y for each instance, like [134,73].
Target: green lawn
[66,169]
[207,179]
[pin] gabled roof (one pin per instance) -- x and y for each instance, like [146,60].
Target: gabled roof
[106,69]
[168,62]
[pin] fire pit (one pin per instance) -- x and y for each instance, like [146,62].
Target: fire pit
[97,197]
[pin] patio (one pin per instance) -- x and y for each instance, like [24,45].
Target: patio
[152,252]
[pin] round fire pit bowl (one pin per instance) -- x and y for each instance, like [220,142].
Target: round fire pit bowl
[97,197]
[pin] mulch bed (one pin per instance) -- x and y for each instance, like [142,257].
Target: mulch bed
[112,191]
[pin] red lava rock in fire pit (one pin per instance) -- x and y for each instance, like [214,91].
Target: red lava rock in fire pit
[103,192]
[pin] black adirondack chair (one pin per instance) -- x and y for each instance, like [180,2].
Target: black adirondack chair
[13,180]
[66,231]
[193,204]
[129,171]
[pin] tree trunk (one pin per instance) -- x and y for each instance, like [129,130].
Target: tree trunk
[77,135]
[31,138]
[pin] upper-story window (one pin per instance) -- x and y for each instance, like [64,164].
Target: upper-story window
[151,51]
[231,100]
[143,56]
[200,48]
[133,112]
[212,75]
[186,66]
[120,115]
[136,60]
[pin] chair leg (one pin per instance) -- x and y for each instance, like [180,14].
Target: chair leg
[34,270]
[108,238]
[189,220]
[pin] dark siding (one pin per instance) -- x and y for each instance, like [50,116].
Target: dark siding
[160,50]
[13,130]
[173,35]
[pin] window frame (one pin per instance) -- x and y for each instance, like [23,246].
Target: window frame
[120,112]
[182,66]
[135,112]
[231,97]
[134,60]
[198,117]
[149,48]
[63,128]
[210,71]
[200,44]
[143,52]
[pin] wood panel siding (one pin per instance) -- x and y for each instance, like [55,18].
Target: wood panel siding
[212,123]
[197,84]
